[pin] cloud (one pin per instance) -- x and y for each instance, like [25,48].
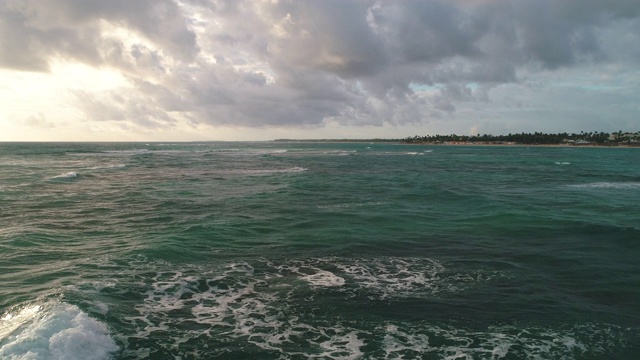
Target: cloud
[35,32]
[305,63]
[38,121]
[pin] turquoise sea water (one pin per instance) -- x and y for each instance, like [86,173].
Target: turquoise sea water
[318,251]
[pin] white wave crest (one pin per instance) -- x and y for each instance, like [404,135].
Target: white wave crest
[350,205]
[68,175]
[324,278]
[127,152]
[109,153]
[53,331]
[339,152]
[108,167]
[396,277]
[608,185]
[258,172]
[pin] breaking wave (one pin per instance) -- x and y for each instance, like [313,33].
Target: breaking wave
[53,330]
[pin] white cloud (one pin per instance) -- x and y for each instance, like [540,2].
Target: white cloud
[190,67]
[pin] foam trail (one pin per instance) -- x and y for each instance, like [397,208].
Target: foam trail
[53,331]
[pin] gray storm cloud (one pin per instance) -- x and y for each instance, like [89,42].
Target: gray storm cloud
[303,63]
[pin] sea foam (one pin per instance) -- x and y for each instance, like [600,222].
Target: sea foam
[324,278]
[417,340]
[53,331]
[268,306]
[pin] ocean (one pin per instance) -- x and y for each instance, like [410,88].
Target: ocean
[293,250]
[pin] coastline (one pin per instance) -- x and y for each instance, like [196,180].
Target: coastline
[457,143]
[636,146]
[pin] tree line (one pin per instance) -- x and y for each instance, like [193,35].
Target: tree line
[536,138]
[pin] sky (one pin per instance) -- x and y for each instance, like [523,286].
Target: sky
[198,70]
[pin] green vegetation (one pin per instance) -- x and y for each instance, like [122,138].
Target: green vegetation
[537,138]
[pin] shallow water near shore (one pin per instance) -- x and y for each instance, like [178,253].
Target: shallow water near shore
[280,250]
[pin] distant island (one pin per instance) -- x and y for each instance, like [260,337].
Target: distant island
[537,138]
